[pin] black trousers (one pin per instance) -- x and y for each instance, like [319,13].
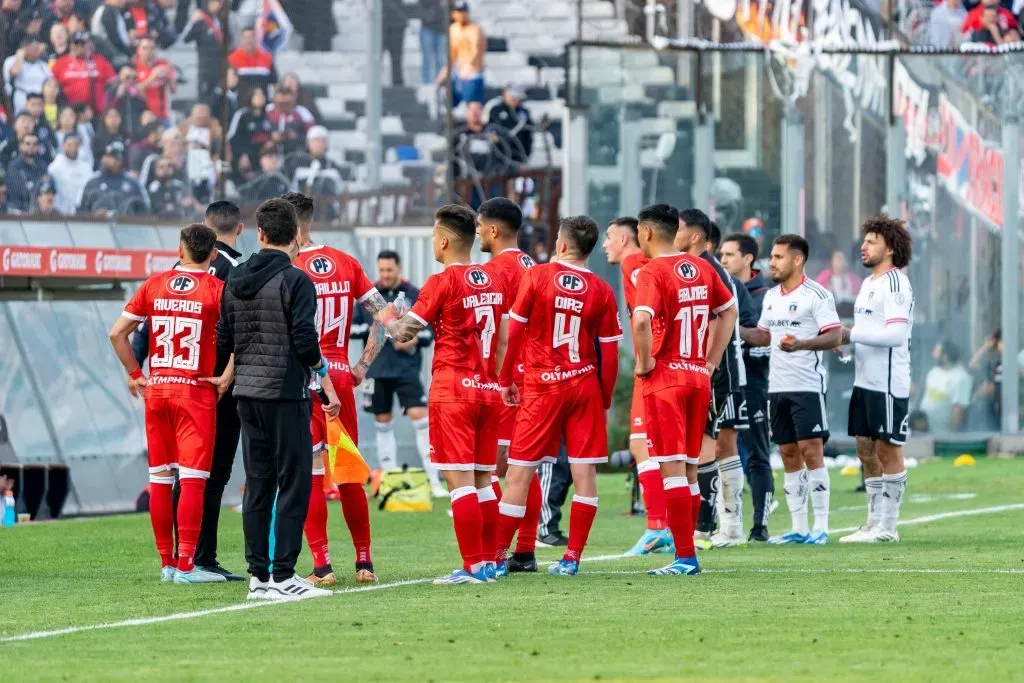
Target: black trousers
[759,467]
[277,453]
[555,479]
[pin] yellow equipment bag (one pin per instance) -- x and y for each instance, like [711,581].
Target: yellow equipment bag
[405,490]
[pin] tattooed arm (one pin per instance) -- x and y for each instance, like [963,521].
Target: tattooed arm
[405,328]
[374,304]
[375,341]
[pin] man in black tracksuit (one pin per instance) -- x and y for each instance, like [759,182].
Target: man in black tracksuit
[226,220]
[739,252]
[268,323]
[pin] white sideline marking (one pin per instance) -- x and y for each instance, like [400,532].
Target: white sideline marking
[36,635]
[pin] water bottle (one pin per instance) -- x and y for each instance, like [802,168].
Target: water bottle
[10,517]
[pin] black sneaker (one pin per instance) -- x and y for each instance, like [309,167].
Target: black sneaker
[553,540]
[522,562]
[217,569]
[758,535]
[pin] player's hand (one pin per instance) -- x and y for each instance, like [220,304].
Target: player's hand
[711,366]
[358,375]
[136,386]
[790,344]
[510,396]
[221,383]
[408,347]
[644,366]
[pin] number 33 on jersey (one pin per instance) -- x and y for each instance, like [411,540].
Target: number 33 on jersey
[183,307]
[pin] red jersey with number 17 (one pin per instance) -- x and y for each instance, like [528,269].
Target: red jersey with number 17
[566,309]
[340,285]
[508,268]
[182,307]
[680,292]
[464,304]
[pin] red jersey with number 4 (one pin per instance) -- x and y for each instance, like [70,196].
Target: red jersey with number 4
[182,307]
[464,304]
[508,269]
[341,285]
[680,292]
[566,310]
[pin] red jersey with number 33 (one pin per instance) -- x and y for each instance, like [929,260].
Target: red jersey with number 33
[182,307]
[566,310]
[465,305]
[680,292]
[341,285]
[508,269]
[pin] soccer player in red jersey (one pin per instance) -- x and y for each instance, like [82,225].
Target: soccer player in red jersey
[465,307]
[621,247]
[340,285]
[498,222]
[182,307]
[676,296]
[560,316]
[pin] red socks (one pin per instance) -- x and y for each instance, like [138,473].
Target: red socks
[489,522]
[357,517]
[653,491]
[681,514]
[316,524]
[526,542]
[190,518]
[468,525]
[496,486]
[510,518]
[581,518]
[161,515]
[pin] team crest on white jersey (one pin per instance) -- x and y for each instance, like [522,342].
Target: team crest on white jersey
[181,284]
[321,267]
[477,278]
[570,282]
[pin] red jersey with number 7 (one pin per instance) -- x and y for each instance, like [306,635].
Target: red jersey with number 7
[508,268]
[464,304]
[182,307]
[340,285]
[680,292]
[567,310]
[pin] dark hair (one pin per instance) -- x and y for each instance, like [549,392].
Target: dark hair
[252,93]
[664,218]
[794,243]
[714,236]
[581,231]
[458,219]
[223,216]
[896,237]
[278,221]
[34,96]
[627,222]
[951,351]
[390,255]
[695,218]
[199,241]
[303,204]
[746,244]
[504,211]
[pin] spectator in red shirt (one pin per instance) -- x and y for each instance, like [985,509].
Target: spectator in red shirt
[996,28]
[255,66]
[155,78]
[974,22]
[291,121]
[82,76]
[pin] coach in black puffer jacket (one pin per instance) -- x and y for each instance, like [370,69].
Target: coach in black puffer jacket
[267,321]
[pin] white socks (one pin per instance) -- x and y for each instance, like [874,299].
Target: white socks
[731,496]
[820,488]
[893,488]
[795,486]
[387,447]
[423,446]
[873,489]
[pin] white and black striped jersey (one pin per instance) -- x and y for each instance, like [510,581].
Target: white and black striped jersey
[731,374]
[802,313]
[884,300]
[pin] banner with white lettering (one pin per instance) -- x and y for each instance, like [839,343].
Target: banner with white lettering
[81,263]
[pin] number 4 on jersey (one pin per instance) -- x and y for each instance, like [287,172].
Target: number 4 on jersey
[567,333]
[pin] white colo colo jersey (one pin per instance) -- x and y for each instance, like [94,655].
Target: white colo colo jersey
[802,313]
[884,300]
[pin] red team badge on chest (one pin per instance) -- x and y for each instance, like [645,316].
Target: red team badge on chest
[570,282]
[321,267]
[181,284]
[477,278]
[687,272]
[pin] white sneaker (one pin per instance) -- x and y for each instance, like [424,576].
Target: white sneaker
[728,539]
[884,536]
[865,534]
[294,588]
[257,589]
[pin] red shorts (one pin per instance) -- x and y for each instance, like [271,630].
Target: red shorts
[679,430]
[180,430]
[506,424]
[637,414]
[575,414]
[462,435]
[318,418]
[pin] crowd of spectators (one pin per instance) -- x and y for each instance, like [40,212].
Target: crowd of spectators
[993,22]
[87,125]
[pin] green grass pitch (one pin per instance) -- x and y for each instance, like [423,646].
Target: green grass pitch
[946,604]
